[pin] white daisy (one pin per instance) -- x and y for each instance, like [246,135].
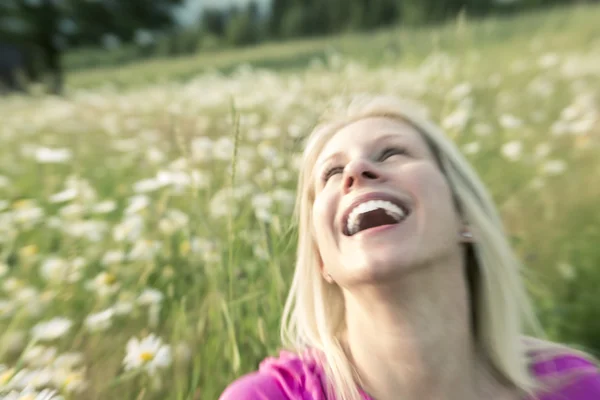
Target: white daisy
[149,354]
[100,321]
[150,297]
[30,394]
[52,329]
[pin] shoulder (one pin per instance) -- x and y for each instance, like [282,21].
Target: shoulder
[254,386]
[566,372]
[289,376]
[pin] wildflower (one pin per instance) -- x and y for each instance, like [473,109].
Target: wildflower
[123,307]
[155,156]
[201,149]
[30,394]
[150,297]
[223,149]
[149,354]
[112,257]
[68,360]
[65,195]
[509,121]
[46,155]
[33,378]
[39,356]
[173,221]
[91,230]
[542,150]
[52,329]
[68,380]
[72,211]
[129,230]
[512,150]
[144,250]
[471,148]
[100,321]
[548,60]
[56,269]
[12,284]
[6,374]
[262,204]
[458,119]
[460,91]
[136,204]
[104,284]
[147,185]
[559,128]
[27,214]
[104,207]
[554,167]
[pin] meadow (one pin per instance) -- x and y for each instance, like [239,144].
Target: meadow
[146,238]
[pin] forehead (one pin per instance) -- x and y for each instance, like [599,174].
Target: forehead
[369,130]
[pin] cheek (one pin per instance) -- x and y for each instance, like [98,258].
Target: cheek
[431,188]
[322,216]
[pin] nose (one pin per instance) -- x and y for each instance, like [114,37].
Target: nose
[358,172]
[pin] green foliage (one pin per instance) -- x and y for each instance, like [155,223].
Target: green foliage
[293,23]
[243,30]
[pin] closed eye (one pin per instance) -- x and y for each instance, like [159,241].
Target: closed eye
[385,154]
[330,172]
[391,151]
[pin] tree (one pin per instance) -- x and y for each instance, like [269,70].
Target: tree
[50,26]
[278,10]
[214,21]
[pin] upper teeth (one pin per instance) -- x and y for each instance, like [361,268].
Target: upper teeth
[390,208]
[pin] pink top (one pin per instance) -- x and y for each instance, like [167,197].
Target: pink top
[288,377]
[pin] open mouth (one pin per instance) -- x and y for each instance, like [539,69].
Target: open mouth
[373,211]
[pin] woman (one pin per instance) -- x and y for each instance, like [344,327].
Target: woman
[405,284]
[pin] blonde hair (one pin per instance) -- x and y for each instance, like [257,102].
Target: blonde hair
[313,315]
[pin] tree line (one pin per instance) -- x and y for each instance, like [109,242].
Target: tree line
[34,34]
[301,18]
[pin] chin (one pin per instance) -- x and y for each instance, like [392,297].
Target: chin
[375,268]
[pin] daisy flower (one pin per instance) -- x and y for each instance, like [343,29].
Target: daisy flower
[52,329]
[149,354]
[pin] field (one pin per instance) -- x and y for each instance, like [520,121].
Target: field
[145,219]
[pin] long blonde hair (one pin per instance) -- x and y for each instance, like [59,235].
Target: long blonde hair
[313,315]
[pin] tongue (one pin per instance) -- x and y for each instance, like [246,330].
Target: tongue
[375,218]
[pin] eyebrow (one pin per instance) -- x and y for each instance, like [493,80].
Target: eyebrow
[378,140]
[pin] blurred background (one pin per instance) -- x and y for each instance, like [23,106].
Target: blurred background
[149,152]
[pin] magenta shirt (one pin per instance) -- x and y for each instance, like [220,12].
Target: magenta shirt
[288,377]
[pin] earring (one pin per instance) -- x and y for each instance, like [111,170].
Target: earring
[329,278]
[467,236]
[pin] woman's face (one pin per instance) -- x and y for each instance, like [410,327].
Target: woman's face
[407,218]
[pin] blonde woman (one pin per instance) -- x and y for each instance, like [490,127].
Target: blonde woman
[405,285]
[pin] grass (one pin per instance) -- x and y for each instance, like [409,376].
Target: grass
[127,184]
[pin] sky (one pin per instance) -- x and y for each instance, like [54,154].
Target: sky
[191,10]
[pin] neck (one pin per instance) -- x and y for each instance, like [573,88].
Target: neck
[411,338]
